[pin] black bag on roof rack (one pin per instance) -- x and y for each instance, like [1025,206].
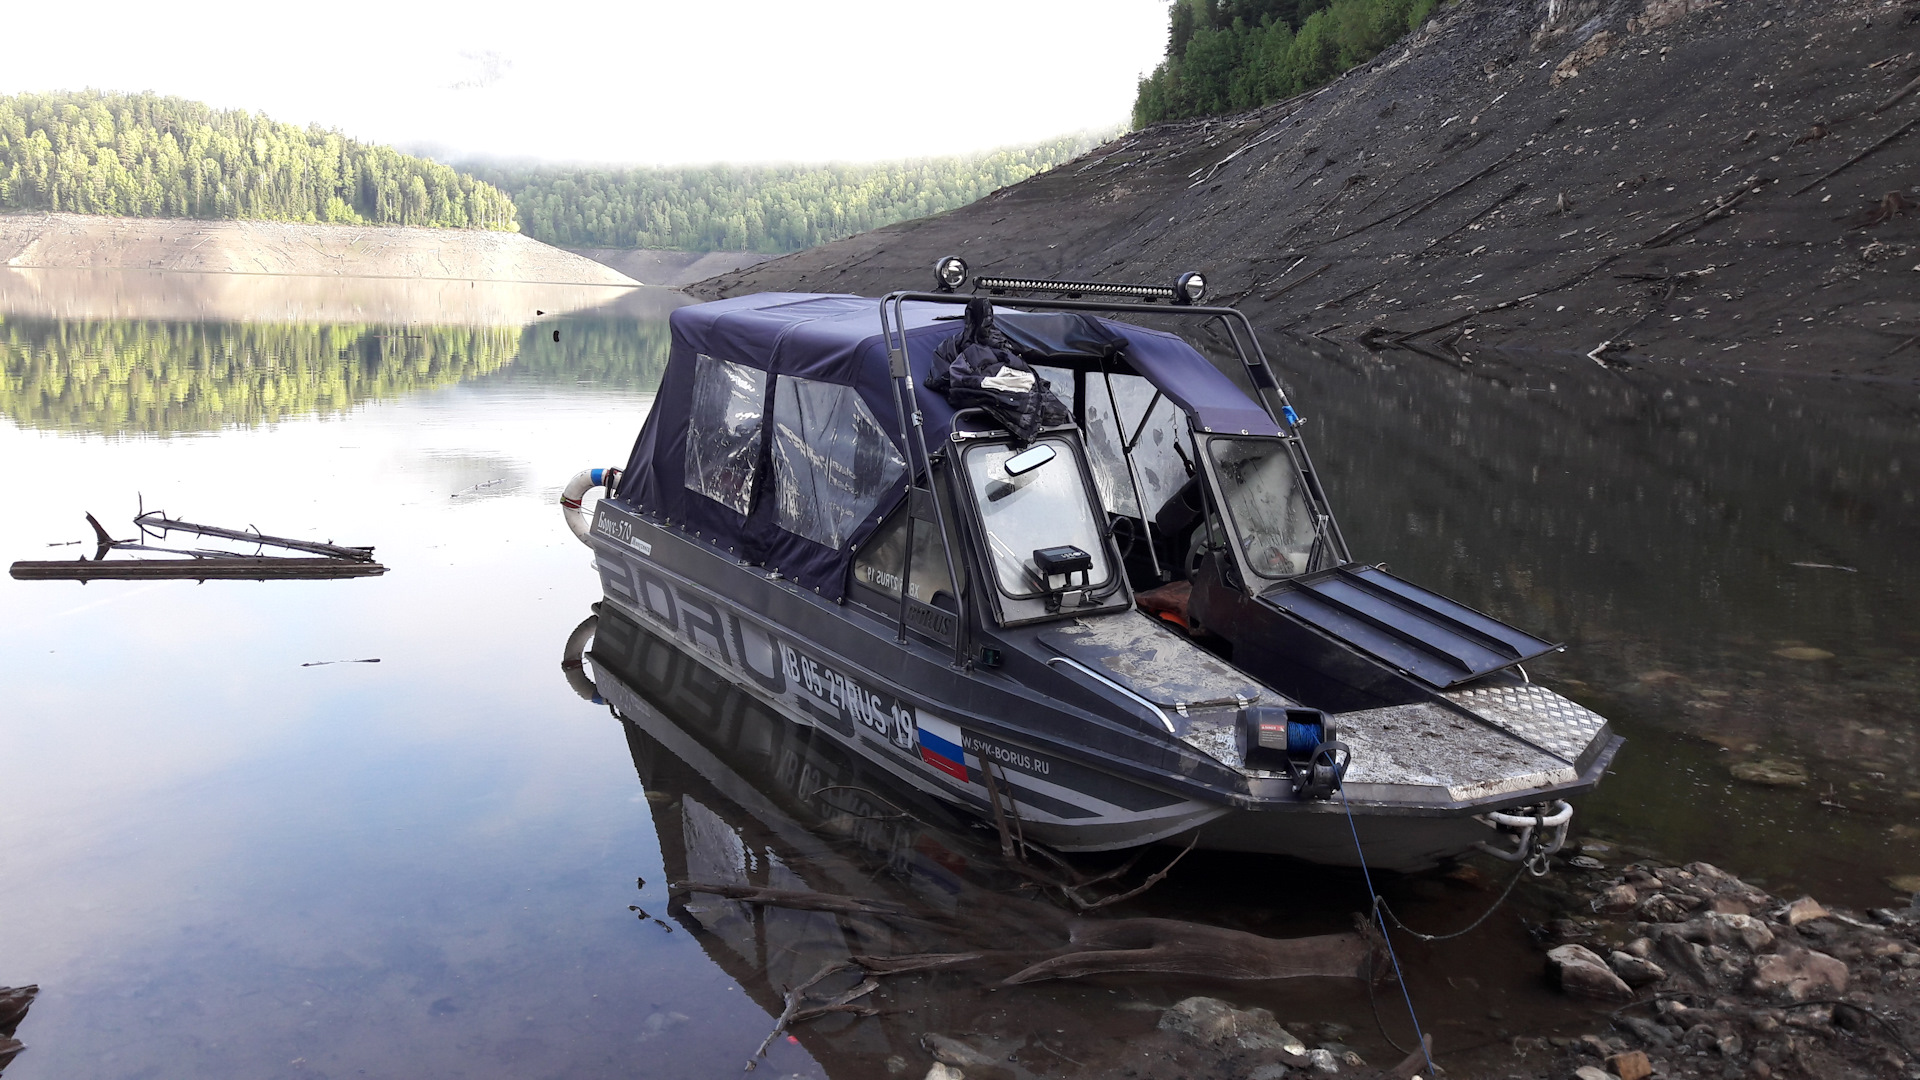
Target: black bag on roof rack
[978,368]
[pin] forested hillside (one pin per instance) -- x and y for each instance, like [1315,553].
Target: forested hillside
[142,155]
[1227,55]
[766,208]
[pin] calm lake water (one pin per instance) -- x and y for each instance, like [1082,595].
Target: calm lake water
[220,862]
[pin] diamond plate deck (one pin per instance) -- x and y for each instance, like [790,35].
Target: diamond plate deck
[1537,715]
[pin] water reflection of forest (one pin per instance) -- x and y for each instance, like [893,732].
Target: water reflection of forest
[141,377]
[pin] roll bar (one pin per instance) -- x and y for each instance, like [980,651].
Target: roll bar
[1246,345]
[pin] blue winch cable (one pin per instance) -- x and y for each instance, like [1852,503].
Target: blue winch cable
[1419,1036]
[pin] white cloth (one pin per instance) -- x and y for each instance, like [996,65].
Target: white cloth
[1009,379]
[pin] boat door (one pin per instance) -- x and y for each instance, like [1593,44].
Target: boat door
[1040,538]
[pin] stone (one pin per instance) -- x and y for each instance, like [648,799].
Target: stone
[1689,957]
[1905,883]
[1797,974]
[1805,909]
[1636,970]
[953,1052]
[1641,947]
[1770,772]
[1584,974]
[1664,908]
[1270,1071]
[1662,13]
[1632,1065]
[1648,1031]
[1802,652]
[896,1064]
[943,1071]
[1323,1061]
[1749,931]
[1617,901]
[1216,1023]
[1589,1072]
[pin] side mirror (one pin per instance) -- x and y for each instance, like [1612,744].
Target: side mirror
[1029,459]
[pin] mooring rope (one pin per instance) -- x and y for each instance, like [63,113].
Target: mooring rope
[1380,904]
[1386,935]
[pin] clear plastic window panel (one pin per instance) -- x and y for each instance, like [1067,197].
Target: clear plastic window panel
[878,564]
[1045,507]
[1273,521]
[1158,456]
[723,443]
[832,461]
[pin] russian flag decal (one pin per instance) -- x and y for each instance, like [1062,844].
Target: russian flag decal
[940,746]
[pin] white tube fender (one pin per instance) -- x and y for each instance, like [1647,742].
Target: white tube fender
[573,498]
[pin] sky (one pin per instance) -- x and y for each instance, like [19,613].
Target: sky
[644,82]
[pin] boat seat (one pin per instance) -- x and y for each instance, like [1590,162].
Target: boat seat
[1168,603]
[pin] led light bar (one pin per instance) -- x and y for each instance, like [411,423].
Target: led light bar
[1074,288]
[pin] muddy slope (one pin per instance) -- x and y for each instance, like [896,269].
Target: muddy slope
[1641,181]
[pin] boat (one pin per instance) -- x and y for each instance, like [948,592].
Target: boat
[1055,553]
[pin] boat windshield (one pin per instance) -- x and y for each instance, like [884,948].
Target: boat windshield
[1273,520]
[1041,507]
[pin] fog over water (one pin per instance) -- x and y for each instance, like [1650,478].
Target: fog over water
[218,862]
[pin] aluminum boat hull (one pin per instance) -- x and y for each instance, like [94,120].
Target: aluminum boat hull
[1065,775]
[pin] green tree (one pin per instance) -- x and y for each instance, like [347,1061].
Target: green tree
[1227,55]
[764,208]
[150,156]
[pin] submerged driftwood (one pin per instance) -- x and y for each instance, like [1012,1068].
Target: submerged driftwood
[1173,947]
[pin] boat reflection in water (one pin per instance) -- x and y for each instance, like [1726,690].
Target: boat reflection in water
[742,797]
[747,802]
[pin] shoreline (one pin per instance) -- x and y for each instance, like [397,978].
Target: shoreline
[60,241]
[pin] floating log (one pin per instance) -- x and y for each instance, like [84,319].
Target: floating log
[242,567]
[153,520]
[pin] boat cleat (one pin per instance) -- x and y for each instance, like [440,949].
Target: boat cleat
[1535,835]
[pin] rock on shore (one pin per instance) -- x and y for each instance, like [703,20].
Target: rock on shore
[1713,977]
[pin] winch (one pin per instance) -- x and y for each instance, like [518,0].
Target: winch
[1299,742]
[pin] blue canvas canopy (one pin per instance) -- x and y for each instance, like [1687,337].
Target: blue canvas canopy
[799,493]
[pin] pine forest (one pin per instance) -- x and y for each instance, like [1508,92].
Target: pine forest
[141,155]
[1228,55]
[765,208]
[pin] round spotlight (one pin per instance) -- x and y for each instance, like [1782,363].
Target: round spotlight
[950,273]
[1191,287]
